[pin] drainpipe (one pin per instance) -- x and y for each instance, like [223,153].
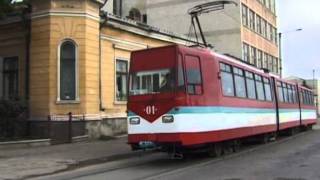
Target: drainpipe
[100,56]
[27,21]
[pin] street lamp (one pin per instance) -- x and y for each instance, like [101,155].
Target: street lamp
[280,51]
[315,90]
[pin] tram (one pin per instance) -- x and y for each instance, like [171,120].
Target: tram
[184,98]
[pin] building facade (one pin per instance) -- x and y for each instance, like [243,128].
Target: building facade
[69,56]
[247,31]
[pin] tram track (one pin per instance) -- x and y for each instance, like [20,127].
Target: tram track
[243,151]
[168,166]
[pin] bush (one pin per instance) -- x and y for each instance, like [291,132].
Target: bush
[13,122]
[12,109]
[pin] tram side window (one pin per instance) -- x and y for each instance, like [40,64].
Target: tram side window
[194,80]
[260,89]
[306,97]
[267,88]
[303,97]
[285,92]
[290,93]
[239,82]
[280,92]
[251,88]
[294,94]
[311,102]
[310,97]
[227,80]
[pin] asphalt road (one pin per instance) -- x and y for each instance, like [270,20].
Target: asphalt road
[293,158]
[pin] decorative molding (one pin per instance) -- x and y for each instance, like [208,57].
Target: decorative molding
[123,44]
[66,14]
[146,30]
[87,117]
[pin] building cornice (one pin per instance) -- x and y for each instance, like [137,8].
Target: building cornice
[146,30]
[65,14]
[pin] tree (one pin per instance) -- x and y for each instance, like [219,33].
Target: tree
[5,8]
[12,6]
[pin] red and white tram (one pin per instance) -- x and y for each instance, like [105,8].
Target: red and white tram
[181,97]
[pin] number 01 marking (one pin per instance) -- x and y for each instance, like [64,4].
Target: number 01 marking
[151,110]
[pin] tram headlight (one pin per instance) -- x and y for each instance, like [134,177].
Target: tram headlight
[167,119]
[134,121]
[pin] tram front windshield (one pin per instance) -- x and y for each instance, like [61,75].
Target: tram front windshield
[151,82]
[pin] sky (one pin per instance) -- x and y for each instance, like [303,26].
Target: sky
[301,49]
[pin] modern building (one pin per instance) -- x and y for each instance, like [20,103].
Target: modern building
[247,31]
[69,56]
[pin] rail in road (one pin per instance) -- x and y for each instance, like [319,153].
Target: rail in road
[157,165]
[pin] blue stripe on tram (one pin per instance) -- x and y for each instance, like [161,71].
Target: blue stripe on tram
[217,109]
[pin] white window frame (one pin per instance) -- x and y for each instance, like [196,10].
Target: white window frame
[77,99]
[115,78]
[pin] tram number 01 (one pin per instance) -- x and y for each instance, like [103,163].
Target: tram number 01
[150,110]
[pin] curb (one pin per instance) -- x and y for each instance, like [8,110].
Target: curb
[97,161]
[37,143]
[25,143]
[80,139]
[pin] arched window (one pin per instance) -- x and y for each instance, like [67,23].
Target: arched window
[135,14]
[68,70]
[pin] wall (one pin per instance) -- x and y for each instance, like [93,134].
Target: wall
[253,38]
[13,43]
[79,22]
[56,20]
[118,43]
[222,28]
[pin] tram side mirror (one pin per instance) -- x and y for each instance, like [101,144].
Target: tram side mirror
[219,75]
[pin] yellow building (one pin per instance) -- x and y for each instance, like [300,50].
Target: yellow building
[71,57]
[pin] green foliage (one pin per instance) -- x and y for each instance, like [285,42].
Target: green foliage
[8,7]
[11,109]
[5,7]
[13,122]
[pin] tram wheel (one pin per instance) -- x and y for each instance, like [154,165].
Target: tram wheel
[215,150]
[265,138]
[236,145]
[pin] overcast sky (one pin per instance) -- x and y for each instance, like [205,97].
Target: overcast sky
[301,50]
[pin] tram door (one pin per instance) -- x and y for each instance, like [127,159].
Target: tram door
[194,79]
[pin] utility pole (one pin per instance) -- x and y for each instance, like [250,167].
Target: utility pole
[280,48]
[315,90]
[280,54]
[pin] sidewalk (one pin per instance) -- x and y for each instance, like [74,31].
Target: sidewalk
[21,163]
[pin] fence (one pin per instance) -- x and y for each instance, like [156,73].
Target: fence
[59,128]
[63,128]
[13,128]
